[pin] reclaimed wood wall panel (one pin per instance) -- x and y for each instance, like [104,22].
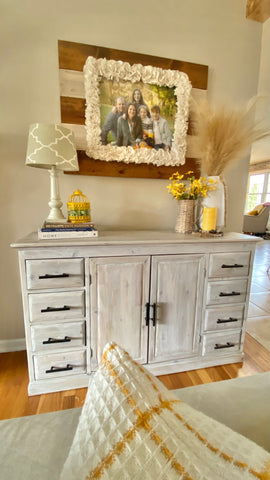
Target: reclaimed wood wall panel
[72,57]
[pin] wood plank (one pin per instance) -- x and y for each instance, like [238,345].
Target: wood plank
[89,166]
[14,381]
[72,56]
[72,110]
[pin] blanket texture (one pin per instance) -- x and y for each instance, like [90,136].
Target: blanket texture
[132,427]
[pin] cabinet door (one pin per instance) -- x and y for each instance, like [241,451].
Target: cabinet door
[118,294]
[177,290]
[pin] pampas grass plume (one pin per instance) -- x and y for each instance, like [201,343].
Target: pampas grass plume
[223,134]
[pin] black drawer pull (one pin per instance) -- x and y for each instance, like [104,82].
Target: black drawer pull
[59,369]
[55,309]
[227,320]
[232,294]
[56,340]
[226,345]
[236,265]
[60,275]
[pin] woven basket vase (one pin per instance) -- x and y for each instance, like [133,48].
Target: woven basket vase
[185,216]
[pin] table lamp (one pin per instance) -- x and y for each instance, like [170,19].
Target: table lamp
[52,146]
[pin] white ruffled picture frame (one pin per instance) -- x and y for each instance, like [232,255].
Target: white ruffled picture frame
[94,70]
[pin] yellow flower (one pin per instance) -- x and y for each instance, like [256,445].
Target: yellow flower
[190,188]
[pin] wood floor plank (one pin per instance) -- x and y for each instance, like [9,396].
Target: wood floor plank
[15,401]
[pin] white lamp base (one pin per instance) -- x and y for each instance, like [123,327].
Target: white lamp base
[55,203]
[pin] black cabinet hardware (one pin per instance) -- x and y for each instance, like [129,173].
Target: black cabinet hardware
[154,309]
[227,320]
[226,345]
[232,294]
[55,309]
[236,265]
[147,311]
[60,275]
[59,369]
[56,340]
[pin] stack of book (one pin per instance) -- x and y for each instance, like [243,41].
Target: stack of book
[67,230]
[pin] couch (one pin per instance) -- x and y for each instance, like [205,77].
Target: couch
[233,415]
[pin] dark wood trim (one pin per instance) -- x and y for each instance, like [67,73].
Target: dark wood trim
[72,56]
[89,166]
[72,110]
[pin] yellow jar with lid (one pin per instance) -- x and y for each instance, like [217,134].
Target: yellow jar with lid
[78,207]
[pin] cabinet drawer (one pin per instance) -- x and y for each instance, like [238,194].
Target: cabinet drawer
[223,318]
[235,264]
[221,343]
[56,306]
[59,364]
[231,291]
[49,337]
[67,272]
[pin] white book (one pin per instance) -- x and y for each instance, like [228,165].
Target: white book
[67,234]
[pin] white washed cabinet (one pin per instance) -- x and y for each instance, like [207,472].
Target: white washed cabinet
[127,308]
[175,302]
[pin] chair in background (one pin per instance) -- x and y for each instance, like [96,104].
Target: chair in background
[256,222]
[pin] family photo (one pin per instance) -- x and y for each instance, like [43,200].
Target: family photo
[137,115]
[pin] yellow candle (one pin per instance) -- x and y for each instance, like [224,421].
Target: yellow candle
[209,220]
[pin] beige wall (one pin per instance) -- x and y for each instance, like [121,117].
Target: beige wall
[211,32]
[260,151]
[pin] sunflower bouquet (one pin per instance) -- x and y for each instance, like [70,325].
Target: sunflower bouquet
[187,187]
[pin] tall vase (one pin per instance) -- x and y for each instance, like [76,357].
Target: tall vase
[185,216]
[217,198]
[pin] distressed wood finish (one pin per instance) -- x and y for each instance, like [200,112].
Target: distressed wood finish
[56,306]
[173,280]
[120,290]
[121,266]
[52,365]
[46,337]
[54,274]
[72,57]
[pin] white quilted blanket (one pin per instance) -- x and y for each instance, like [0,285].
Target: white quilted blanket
[132,427]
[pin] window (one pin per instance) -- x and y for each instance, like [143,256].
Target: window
[258,190]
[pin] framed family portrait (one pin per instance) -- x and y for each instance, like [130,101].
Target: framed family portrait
[94,78]
[135,113]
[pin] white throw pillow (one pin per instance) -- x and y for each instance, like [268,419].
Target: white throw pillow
[132,428]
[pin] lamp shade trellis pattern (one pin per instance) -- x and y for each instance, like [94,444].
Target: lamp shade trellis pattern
[51,145]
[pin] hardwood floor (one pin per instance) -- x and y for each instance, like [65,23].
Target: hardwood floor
[14,381]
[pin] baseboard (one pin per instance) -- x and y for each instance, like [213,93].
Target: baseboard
[14,345]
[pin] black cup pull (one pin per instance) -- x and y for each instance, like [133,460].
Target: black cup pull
[236,265]
[232,294]
[60,369]
[56,340]
[226,345]
[55,309]
[58,275]
[227,320]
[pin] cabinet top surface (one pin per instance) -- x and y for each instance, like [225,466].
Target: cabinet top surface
[129,237]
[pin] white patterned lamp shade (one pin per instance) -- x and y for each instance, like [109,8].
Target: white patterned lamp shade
[52,146]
